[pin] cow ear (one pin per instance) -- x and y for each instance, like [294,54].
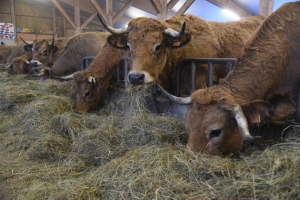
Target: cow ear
[53,49]
[174,43]
[258,112]
[28,47]
[284,107]
[118,41]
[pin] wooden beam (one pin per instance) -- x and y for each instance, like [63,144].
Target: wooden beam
[266,7]
[123,10]
[164,10]
[99,10]
[144,5]
[64,13]
[89,20]
[156,5]
[83,4]
[77,17]
[109,13]
[53,20]
[231,6]
[184,7]
[12,12]
[171,4]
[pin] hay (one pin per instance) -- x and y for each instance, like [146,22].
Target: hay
[48,151]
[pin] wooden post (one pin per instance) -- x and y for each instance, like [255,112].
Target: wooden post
[266,7]
[78,29]
[12,12]
[109,13]
[164,10]
[53,20]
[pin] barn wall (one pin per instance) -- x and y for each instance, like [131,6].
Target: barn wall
[34,20]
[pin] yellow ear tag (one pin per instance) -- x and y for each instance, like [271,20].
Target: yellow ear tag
[120,45]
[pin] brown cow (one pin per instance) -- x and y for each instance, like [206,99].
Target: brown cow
[79,46]
[44,51]
[88,97]
[156,48]
[11,51]
[263,87]
[20,65]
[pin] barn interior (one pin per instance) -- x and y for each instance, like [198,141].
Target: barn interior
[49,151]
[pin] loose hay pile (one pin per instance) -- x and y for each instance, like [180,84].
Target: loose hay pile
[48,151]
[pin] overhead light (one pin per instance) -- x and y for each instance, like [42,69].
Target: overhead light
[231,14]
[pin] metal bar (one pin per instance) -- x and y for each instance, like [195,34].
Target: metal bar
[210,70]
[298,107]
[85,62]
[125,70]
[193,77]
[213,61]
[229,66]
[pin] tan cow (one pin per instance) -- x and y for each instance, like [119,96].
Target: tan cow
[44,51]
[153,43]
[263,87]
[156,48]
[20,65]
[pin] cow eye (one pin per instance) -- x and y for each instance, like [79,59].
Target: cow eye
[157,48]
[44,52]
[215,133]
[87,93]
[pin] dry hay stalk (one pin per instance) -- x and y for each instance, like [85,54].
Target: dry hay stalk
[48,151]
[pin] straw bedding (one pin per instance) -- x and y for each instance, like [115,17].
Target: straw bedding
[48,151]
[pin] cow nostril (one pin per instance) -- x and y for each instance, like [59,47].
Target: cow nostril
[136,79]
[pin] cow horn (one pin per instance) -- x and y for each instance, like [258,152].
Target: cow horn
[242,123]
[175,34]
[71,76]
[113,30]
[23,40]
[179,100]
[52,44]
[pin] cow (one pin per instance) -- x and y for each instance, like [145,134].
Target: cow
[155,47]
[263,87]
[20,65]
[117,46]
[79,46]
[8,52]
[44,51]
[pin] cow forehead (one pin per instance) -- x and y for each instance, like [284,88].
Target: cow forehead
[150,35]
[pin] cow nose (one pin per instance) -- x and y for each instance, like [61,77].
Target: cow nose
[136,78]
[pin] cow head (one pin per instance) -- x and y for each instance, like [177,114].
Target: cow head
[19,65]
[89,90]
[218,122]
[149,42]
[42,50]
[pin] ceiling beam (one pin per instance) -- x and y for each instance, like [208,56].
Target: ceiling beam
[77,17]
[89,20]
[123,10]
[99,9]
[63,12]
[171,4]
[84,6]
[185,6]
[231,6]
[109,12]
[266,7]
[156,5]
[144,5]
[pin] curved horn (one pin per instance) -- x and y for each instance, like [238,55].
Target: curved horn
[52,42]
[69,77]
[112,30]
[242,123]
[23,40]
[179,100]
[174,33]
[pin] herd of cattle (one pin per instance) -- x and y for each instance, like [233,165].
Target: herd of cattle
[263,85]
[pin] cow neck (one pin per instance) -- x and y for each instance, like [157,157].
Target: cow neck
[237,97]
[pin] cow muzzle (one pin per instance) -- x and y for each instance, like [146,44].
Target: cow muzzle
[35,63]
[136,78]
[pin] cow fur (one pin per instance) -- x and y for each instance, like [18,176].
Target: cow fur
[8,52]
[265,84]
[101,71]
[79,46]
[207,40]
[20,65]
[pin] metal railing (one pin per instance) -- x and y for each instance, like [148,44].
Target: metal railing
[193,61]
[86,61]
